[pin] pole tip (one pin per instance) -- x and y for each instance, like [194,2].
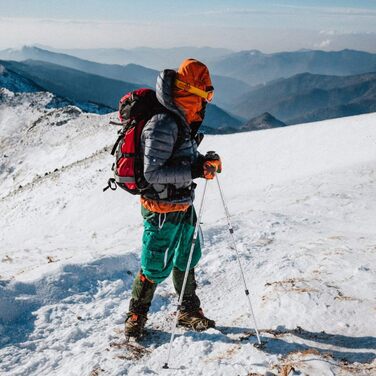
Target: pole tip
[165,366]
[260,345]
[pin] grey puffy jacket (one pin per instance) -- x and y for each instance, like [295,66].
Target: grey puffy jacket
[168,149]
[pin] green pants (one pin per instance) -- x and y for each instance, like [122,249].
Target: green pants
[166,243]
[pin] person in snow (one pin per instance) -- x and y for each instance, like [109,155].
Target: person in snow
[171,161]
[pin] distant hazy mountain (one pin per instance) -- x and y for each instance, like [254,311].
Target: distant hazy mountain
[263,121]
[300,98]
[307,97]
[128,73]
[87,91]
[17,83]
[226,89]
[156,58]
[219,121]
[70,83]
[255,67]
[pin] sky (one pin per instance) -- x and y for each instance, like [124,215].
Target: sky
[266,25]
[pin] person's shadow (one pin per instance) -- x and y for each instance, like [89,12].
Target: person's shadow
[277,345]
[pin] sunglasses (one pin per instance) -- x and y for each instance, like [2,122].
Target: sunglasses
[207,95]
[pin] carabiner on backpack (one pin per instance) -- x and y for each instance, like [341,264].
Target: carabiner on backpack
[110,184]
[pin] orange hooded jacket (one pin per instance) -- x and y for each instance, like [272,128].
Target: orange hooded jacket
[195,73]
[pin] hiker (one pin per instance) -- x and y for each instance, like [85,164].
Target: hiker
[171,162]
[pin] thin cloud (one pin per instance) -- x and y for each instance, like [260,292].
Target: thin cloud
[67,33]
[331,11]
[66,21]
[235,11]
[287,10]
[324,44]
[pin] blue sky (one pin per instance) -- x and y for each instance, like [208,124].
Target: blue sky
[148,10]
[268,25]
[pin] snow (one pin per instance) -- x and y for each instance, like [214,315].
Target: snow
[303,206]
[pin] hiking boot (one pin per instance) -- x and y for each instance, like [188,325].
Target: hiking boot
[134,325]
[142,294]
[195,320]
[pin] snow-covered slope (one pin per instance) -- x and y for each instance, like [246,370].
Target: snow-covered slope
[303,205]
[40,133]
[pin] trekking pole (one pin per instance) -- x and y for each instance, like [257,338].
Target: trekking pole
[195,234]
[231,230]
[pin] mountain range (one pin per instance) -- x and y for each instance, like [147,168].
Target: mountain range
[71,83]
[134,73]
[294,92]
[90,92]
[255,67]
[155,58]
[227,88]
[308,97]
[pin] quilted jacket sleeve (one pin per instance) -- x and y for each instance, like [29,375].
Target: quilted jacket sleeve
[160,167]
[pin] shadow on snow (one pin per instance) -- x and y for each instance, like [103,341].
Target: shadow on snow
[277,345]
[19,300]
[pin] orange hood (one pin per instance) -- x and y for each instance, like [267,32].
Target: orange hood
[197,74]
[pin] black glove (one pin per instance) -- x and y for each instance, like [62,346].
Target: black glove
[211,156]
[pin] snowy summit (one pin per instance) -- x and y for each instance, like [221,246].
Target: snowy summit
[303,206]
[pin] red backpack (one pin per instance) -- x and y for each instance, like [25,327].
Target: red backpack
[135,110]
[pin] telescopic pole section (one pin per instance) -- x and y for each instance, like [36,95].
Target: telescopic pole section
[231,230]
[195,234]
